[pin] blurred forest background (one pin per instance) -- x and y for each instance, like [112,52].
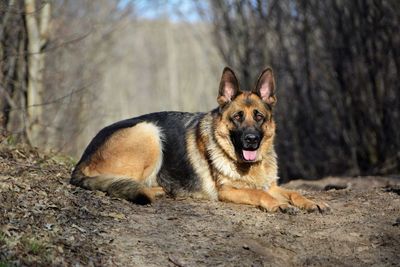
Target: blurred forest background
[70,67]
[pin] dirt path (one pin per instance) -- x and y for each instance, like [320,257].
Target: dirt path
[359,231]
[45,221]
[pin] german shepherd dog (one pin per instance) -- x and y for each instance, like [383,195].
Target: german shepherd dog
[226,154]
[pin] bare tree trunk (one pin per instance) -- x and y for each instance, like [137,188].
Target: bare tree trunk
[37,36]
[12,69]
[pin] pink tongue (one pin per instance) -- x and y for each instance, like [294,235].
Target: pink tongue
[249,155]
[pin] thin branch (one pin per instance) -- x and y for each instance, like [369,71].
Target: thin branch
[51,48]
[54,101]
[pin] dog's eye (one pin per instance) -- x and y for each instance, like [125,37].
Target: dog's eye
[238,116]
[258,116]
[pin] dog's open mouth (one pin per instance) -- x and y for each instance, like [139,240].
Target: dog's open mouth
[249,155]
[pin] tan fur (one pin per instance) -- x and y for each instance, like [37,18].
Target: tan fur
[132,152]
[154,192]
[295,199]
[125,165]
[252,197]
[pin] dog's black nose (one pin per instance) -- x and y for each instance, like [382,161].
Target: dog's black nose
[251,139]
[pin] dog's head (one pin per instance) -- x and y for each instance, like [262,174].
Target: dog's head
[245,127]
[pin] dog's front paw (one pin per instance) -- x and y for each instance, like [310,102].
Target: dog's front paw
[289,209]
[283,207]
[312,206]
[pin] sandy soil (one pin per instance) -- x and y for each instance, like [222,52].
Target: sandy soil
[45,221]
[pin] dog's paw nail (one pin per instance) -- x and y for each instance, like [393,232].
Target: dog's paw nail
[323,208]
[312,208]
[286,208]
[291,210]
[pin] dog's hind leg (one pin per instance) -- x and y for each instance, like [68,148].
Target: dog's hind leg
[126,165]
[155,192]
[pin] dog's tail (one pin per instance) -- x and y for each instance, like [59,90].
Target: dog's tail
[121,187]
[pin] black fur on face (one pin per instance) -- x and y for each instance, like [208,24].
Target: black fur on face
[247,134]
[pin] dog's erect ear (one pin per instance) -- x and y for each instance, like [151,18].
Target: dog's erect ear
[265,87]
[228,87]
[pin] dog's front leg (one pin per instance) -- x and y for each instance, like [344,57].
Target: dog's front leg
[252,197]
[297,199]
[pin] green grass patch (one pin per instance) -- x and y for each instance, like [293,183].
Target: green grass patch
[33,246]
[3,237]
[5,263]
